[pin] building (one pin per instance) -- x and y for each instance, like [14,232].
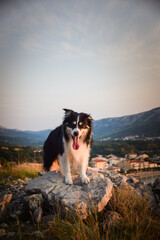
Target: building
[113,169]
[5,148]
[130,164]
[112,159]
[143,156]
[131,155]
[153,165]
[99,162]
[16,149]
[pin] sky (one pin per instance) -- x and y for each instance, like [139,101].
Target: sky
[101,57]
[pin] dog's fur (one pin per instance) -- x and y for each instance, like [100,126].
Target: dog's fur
[69,145]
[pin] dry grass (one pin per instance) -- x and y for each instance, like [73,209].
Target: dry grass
[19,171]
[136,222]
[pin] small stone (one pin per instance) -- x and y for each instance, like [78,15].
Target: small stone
[10,178]
[26,179]
[41,173]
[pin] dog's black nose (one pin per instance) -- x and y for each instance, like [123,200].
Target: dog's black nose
[76,133]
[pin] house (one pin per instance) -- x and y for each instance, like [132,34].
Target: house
[16,149]
[112,159]
[5,148]
[146,164]
[143,156]
[153,165]
[113,169]
[130,164]
[131,155]
[37,151]
[99,162]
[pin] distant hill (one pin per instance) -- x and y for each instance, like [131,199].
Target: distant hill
[145,124]
[28,138]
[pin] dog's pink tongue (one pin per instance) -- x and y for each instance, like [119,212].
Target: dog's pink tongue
[75,143]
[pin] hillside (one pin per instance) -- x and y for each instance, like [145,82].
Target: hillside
[32,138]
[145,124]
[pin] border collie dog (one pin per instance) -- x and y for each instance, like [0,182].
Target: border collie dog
[69,145]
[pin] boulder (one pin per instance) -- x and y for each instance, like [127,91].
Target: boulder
[78,197]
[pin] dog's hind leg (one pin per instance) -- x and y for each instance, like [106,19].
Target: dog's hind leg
[55,166]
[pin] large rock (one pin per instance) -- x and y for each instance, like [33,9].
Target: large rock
[77,197]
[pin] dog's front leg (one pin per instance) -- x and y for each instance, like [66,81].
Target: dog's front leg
[83,169]
[67,171]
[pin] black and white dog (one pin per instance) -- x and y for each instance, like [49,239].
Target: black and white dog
[69,145]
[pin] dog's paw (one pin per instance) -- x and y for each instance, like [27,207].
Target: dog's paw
[85,179]
[68,181]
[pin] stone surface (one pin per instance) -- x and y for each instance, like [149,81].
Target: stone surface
[34,201]
[76,197]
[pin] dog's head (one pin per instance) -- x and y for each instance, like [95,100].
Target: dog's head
[77,126]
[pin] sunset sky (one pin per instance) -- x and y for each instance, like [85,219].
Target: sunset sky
[96,56]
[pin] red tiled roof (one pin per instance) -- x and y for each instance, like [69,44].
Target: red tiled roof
[98,160]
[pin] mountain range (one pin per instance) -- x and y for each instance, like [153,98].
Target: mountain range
[145,124]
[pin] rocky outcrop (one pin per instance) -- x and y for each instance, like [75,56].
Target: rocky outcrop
[77,197]
[41,197]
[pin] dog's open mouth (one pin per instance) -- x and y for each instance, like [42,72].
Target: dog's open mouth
[75,142]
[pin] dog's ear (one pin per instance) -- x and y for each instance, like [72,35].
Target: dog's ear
[89,117]
[67,112]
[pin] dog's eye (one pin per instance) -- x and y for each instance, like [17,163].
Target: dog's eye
[81,124]
[74,122]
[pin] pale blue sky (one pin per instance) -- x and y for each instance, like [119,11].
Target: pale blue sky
[96,56]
